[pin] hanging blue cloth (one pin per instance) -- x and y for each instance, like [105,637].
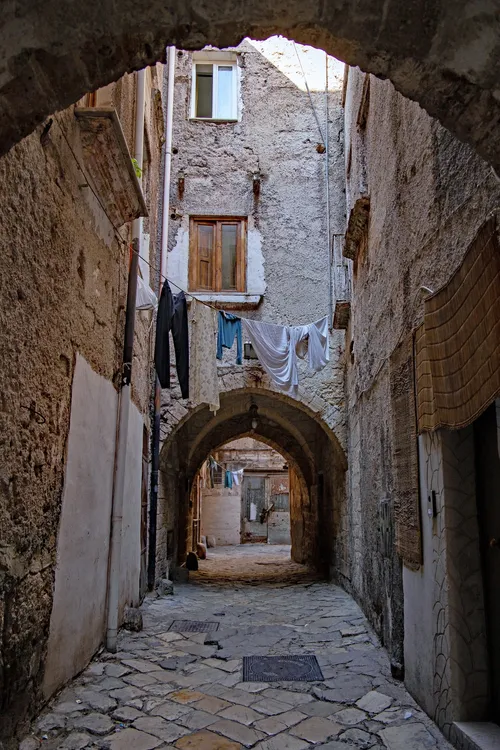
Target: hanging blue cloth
[228,480]
[229,327]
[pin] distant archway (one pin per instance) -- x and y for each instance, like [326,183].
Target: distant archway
[317,467]
[445,56]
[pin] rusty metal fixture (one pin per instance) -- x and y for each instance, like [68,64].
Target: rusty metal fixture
[357,227]
[256,183]
[181,184]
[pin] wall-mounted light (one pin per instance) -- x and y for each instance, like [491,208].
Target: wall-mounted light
[256,182]
[254,413]
[181,183]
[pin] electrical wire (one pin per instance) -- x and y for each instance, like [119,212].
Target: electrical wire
[118,236]
[224,466]
[125,243]
[309,94]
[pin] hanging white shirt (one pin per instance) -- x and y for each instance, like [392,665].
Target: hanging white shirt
[203,380]
[277,348]
[237,476]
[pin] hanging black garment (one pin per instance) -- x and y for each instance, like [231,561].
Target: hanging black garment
[172,316]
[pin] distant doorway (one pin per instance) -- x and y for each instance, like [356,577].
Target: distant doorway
[487,447]
[244,495]
[265,508]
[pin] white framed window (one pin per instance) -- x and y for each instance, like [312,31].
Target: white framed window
[214,89]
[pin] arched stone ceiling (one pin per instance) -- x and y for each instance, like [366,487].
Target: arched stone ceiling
[445,55]
[281,422]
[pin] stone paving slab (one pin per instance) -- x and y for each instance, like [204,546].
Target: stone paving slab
[316,729]
[164,689]
[131,739]
[206,741]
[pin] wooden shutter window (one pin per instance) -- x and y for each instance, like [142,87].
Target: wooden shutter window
[218,255]
[205,241]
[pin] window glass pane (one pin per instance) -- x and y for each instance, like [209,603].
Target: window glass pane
[225,92]
[205,255]
[229,236]
[204,89]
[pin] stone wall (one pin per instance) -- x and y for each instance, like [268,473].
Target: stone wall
[288,249]
[63,282]
[251,454]
[429,194]
[314,456]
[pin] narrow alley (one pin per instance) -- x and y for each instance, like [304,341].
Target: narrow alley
[171,685]
[250,382]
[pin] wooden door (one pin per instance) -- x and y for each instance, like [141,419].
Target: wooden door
[253,505]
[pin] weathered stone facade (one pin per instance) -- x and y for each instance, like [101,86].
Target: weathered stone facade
[223,510]
[428,197]
[288,249]
[63,289]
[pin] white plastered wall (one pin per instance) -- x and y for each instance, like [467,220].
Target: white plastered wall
[131,523]
[178,258]
[445,630]
[78,617]
[221,515]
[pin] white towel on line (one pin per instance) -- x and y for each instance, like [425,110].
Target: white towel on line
[278,347]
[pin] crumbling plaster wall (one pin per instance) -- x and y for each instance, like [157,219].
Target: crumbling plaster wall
[276,134]
[446,649]
[63,281]
[287,247]
[429,195]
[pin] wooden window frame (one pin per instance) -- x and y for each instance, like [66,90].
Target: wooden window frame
[241,254]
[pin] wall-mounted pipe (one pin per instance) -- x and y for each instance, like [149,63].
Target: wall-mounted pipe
[155,432]
[114,569]
[327,179]
[168,156]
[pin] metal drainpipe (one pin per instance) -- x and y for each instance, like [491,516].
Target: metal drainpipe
[125,394]
[155,437]
[327,176]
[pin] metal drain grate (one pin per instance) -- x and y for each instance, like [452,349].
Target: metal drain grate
[194,626]
[281,669]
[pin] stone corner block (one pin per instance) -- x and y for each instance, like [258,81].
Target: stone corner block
[132,619]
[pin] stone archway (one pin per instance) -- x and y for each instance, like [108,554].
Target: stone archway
[446,56]
[315,457]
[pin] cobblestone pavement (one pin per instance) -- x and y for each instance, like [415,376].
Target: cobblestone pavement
[165,689]
[253,563]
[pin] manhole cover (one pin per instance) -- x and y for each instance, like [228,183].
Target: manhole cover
[193,626]
[281,668]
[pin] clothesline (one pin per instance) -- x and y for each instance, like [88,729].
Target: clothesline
[230,477]
[190,294]
[221,466]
